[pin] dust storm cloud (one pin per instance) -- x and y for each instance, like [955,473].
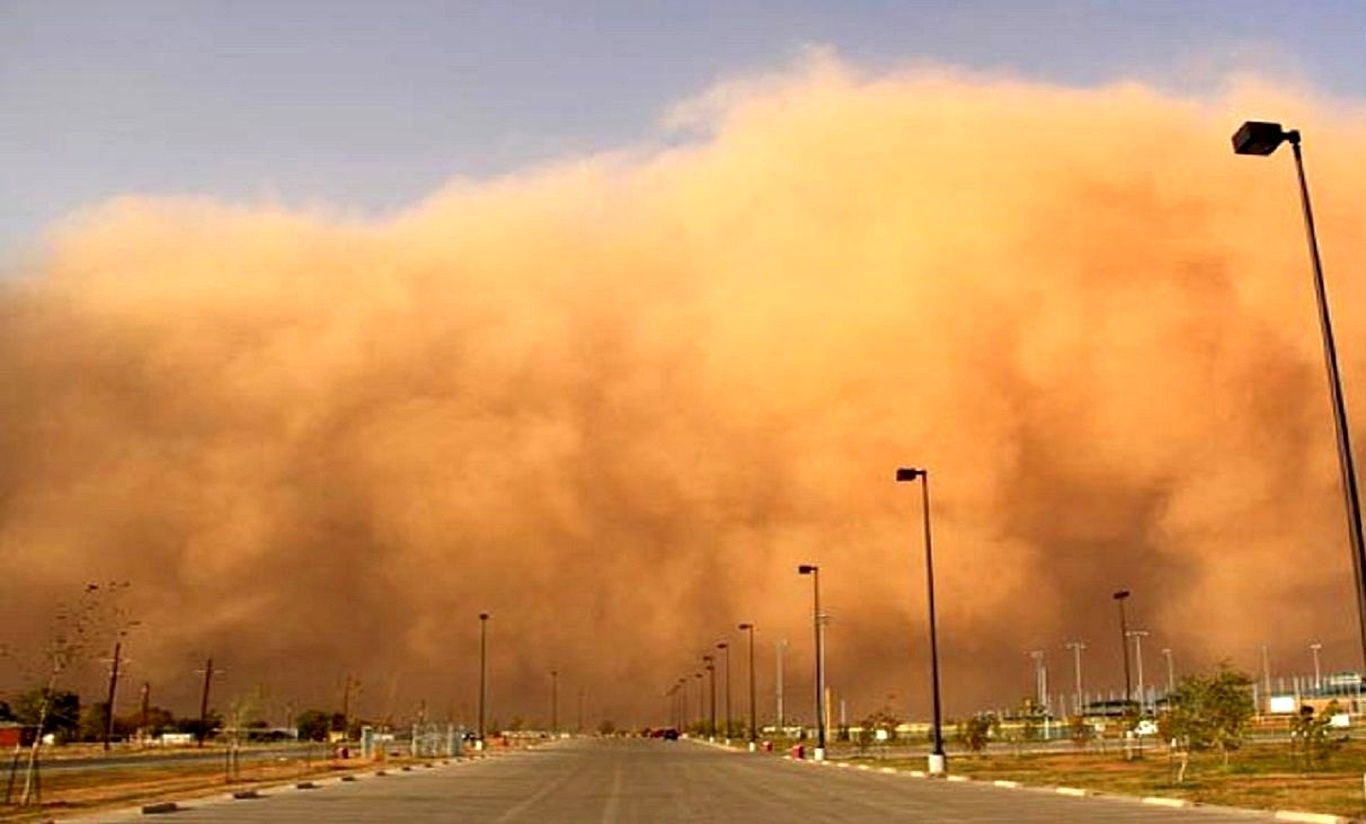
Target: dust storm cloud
[615,400]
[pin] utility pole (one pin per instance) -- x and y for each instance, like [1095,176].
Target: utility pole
[580,725]
[1171,671]
[109,704]
[204,703]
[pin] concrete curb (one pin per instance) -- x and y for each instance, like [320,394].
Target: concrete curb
[1311,818]
[1162,801]
[1004,783]
[1072,791]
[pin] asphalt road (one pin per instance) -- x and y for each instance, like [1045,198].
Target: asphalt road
[633,780]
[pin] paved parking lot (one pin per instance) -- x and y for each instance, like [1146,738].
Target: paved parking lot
[632,780]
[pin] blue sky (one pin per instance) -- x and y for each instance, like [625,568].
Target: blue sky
[368,106]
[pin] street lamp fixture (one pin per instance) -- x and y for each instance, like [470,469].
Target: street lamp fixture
[937,759]
[753,727]
[1261,138]
[815,573]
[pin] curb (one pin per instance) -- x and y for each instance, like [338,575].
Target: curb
[159,808]
[1072,791]
[1162,801]
[1310,818]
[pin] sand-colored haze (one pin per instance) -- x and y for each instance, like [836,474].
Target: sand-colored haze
[615,401]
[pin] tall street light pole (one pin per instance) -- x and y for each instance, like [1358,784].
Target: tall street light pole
[709,662]
[1077,647]
[753,720]
[815,573]
[554,703]
[483,674]
[1138,635]
[937,760]
[701,704]
[1040,681]
[1171,671]
[779,651]
[1258,138]
[1120,597]
[1318,676]
[725,651]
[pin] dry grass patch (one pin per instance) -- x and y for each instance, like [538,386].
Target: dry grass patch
[73,792]
[1263,776]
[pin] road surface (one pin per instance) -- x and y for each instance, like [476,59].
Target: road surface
[605,781]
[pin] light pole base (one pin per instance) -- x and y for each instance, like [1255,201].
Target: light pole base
[479,745]
[937,764]
[753,747]
[818,754]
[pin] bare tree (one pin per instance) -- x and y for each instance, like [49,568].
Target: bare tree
[76,629]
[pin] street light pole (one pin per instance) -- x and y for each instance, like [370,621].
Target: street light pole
[815,573]
[725,650]
[753,725]
[554,703]
[1138,635]
[1171,671]
[483,674]
[1261,138]
[701,704]
[1040,680]
[1318,677]
[779,651]
[709,662]
[937,759]
[1120,597]
[1077,647]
